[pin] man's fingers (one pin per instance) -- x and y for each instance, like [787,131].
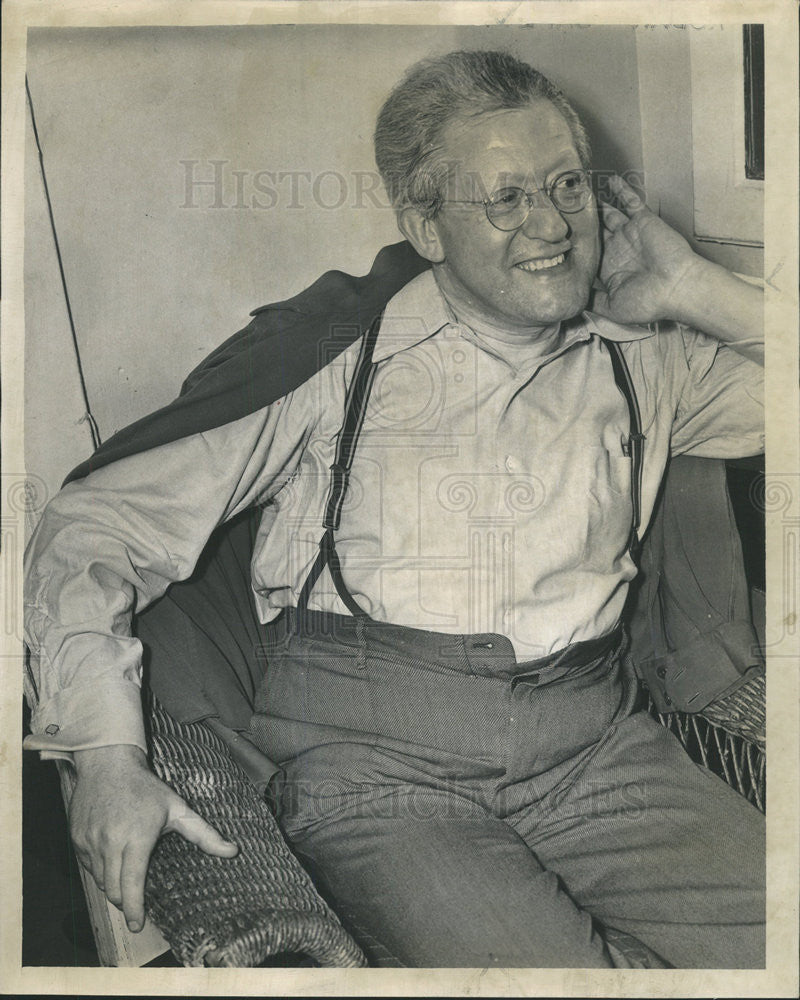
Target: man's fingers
[95,870]
[613,218]
[600,302]
[194,828]
[134,872]
[629,199]
[83,858]
[112,864]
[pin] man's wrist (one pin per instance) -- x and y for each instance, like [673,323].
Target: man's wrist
[722,305]
[703,281]
[96,759]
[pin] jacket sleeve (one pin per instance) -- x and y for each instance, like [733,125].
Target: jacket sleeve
[692,639]
[114,542]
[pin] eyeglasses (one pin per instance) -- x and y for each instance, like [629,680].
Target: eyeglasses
[509,207]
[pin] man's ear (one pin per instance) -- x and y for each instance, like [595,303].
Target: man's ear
[421,233]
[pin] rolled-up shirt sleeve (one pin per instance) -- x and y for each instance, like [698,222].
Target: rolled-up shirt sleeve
[720,412]
[111,544]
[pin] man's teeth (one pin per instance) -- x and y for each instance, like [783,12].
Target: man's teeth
[540,265]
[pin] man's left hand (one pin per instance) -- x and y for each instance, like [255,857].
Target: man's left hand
[645,265]
[649,272]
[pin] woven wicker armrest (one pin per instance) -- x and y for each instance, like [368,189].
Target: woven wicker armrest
[743,712]
[727,736]
[231,911]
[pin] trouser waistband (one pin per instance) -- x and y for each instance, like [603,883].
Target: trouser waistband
[441,698]
[486,653]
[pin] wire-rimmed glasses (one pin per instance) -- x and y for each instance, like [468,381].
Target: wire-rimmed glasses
[507,208]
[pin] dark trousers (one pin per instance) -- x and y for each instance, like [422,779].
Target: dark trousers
[463,809]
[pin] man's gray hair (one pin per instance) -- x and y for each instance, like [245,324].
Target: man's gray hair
[437,91]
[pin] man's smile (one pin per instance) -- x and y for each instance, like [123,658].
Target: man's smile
[541,263]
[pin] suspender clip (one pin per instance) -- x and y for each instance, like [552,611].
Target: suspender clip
[629,442]
[340,476]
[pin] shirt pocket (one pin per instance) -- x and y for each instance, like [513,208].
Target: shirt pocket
[612,471]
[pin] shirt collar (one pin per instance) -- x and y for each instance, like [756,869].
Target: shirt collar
[418,311]
[414,314]
[602,326]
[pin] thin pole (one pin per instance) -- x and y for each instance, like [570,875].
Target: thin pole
[89,417]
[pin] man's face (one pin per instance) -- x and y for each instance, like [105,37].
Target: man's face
[541,272]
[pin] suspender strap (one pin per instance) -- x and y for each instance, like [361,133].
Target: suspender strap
[327,556]
[355,409]
[635,444]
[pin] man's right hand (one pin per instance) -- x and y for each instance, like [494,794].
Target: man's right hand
[118,811]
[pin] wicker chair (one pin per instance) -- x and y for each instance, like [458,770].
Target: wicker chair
[727,739]
[239,911]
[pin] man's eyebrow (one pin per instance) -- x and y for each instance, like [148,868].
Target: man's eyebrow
[569,160]
[480,185]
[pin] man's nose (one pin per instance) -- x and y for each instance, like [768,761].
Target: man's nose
[544,221]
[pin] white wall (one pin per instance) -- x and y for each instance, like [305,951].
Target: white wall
[56,434]
[156,285]
[669,145]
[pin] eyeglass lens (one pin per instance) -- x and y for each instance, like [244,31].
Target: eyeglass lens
[509,207]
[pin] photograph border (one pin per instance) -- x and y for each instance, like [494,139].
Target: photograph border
[782,503]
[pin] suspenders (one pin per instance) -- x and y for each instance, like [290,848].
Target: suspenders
[635,443]
[355,410]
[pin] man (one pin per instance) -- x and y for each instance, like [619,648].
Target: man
[445,689]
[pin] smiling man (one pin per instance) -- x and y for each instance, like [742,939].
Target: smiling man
[536,263]
[446,690]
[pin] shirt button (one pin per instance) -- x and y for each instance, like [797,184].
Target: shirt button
[52,729]
[661,672]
